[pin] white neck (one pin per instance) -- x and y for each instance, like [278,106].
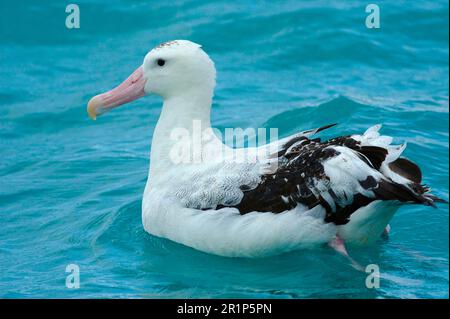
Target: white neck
[181,113]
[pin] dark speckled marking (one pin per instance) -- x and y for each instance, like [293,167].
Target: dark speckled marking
[302,167]
[166,44]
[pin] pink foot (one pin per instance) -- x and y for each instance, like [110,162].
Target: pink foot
[338,244]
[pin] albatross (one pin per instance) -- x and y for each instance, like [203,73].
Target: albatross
[300,192]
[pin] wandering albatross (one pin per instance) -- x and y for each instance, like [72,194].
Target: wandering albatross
[344,189]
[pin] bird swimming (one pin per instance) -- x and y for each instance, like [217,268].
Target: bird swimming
[300,192]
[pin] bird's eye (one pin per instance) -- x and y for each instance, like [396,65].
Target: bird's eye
[160,62]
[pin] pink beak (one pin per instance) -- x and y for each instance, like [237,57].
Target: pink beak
[129,90]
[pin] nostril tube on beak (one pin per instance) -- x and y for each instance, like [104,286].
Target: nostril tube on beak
[130,89]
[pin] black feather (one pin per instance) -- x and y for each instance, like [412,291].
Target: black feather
[407,169]
[376,155]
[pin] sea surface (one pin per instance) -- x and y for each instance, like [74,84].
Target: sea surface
[71,188]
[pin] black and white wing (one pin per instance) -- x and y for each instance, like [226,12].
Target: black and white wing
[341,175]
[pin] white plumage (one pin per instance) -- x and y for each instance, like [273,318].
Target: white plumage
[173,203]
[298,192]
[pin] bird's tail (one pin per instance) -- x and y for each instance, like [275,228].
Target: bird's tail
[403,177]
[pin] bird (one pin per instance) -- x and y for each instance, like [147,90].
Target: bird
[298,192]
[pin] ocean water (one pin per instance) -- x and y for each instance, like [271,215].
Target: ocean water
[71,188]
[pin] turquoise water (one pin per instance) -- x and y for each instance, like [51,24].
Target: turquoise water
[71,188]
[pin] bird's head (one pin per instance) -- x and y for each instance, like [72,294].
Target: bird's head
[169,70]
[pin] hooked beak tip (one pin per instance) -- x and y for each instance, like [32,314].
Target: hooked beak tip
[92,107]
[130,89]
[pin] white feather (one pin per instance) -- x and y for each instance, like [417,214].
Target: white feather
[179,198]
